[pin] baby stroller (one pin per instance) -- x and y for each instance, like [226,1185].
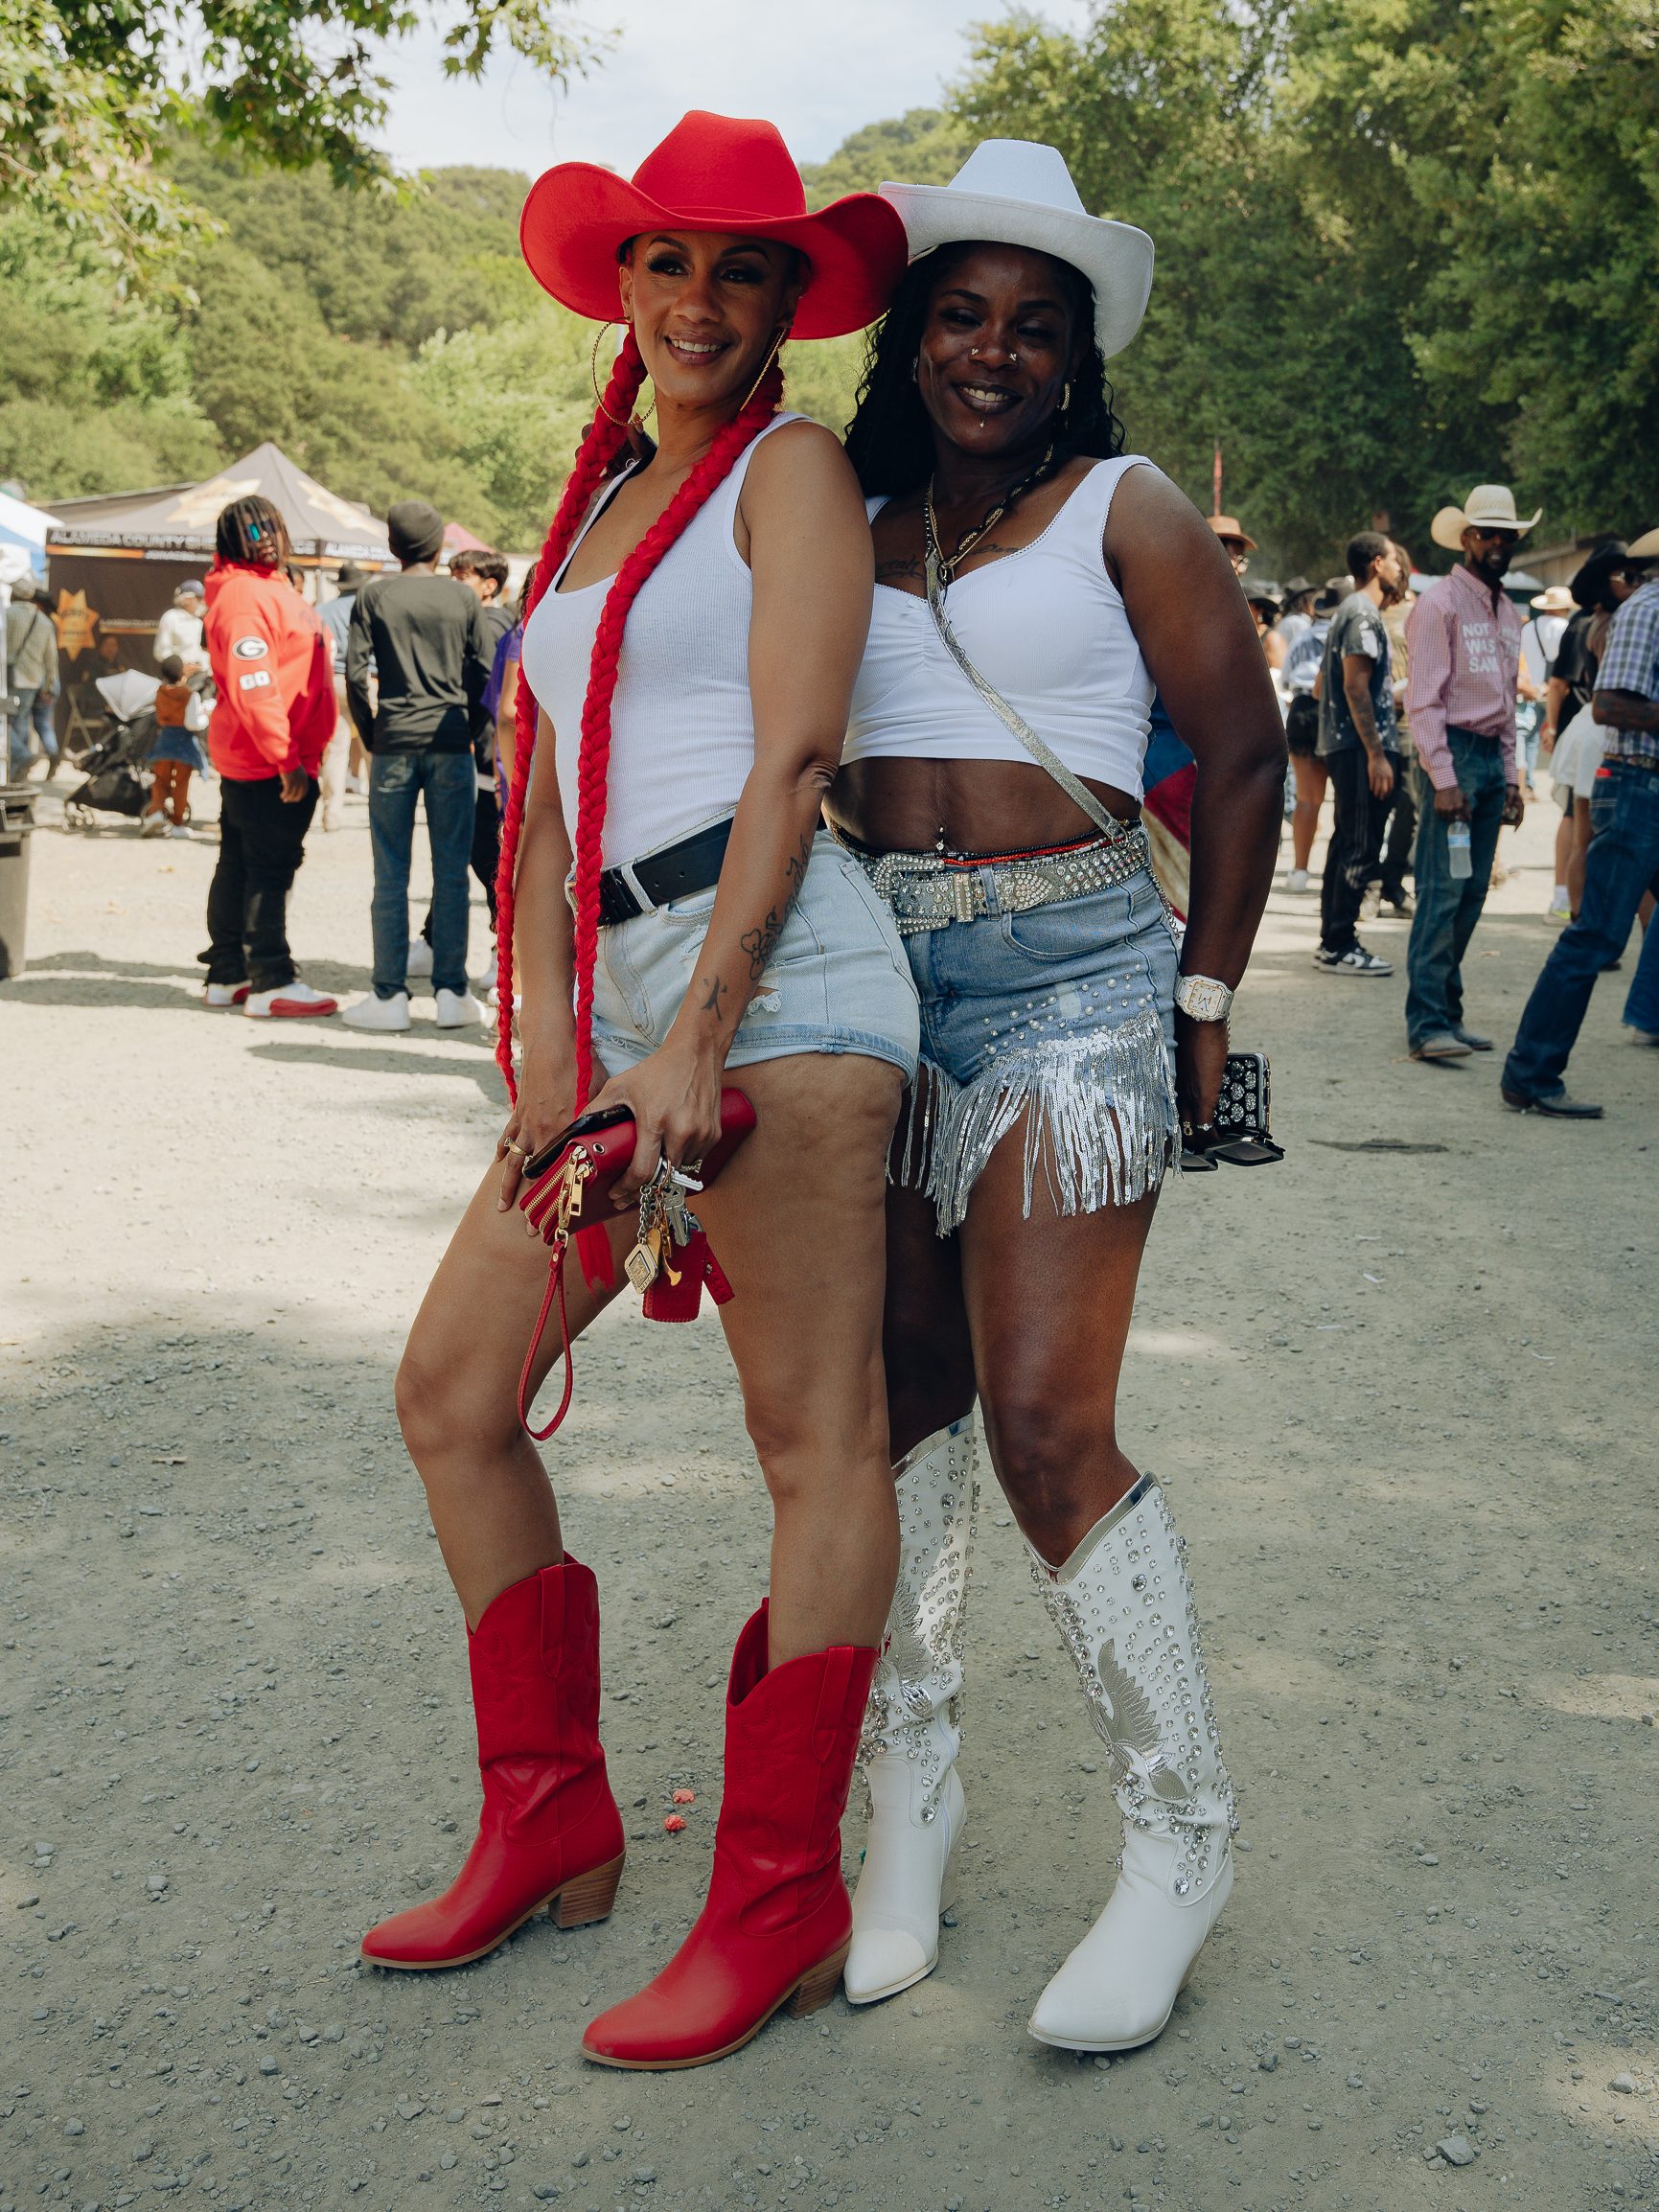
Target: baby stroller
[117,765]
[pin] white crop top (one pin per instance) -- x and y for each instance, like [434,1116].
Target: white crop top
[681,720]
[1045,626]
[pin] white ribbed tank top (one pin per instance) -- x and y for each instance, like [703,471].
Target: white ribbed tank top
[1045,626]
[681,720]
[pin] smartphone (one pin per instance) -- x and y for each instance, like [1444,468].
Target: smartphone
[584,1125]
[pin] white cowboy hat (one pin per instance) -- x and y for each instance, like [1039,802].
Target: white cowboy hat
[1644,548]
[1488,507]
[1557,599]
[1017,193]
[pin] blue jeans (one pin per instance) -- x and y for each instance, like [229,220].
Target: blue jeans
[1621,864]
[35,711]
[447,781]
[1448,906]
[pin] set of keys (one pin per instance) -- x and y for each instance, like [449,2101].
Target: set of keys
[666,1224]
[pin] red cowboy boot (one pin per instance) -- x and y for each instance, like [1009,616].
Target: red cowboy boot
[777,1923]
[549,1833]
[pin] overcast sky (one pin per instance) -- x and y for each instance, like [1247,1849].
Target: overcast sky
[817,71]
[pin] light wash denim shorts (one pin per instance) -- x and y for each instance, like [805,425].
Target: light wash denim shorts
[1061,1017]
[838,980]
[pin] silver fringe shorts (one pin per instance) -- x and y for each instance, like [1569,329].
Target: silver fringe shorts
[1060,1019]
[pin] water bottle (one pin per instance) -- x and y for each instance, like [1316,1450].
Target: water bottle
[1458,847]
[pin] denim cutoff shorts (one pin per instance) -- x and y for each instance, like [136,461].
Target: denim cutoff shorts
[838,980]
[1063,1018]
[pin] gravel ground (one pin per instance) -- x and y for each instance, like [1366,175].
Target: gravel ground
[1386,1386]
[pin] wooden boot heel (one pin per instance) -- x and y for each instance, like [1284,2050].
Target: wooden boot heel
[591,1896]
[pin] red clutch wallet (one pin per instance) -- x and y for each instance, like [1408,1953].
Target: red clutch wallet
[584,1161]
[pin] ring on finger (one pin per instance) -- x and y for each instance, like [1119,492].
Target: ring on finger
[513,1145]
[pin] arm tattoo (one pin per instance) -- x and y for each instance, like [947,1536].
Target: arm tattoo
[760,944]
[716,991]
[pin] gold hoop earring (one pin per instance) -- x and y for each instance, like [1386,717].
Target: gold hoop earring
[766,365]
[593,373]
[1066,396]
[637,421]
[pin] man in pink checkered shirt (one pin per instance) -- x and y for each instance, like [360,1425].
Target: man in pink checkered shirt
[1465,640]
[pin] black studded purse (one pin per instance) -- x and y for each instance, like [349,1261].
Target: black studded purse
[1240,1132]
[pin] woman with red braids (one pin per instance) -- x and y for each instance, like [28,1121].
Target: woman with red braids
[694,627]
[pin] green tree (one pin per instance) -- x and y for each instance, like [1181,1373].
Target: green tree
[94,391]
[89,94]
[924,146]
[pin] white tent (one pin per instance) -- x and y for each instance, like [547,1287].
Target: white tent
[23,532]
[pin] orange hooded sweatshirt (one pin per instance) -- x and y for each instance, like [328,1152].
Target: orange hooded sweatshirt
[269,656]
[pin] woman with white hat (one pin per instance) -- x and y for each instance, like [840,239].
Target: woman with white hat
[1034,584]
[690,644]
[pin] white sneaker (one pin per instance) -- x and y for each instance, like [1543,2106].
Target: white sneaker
[372,1013]
[288,999]
[1297,880]
[458,1010]
[153,826]
[224,995]
[1641,1036]
[419,961]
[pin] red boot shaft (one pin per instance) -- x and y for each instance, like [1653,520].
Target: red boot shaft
[549,1832]
[778,1921]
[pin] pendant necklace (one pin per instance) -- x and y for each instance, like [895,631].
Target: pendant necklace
[970,538]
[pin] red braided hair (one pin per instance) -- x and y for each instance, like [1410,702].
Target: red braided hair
[603,443]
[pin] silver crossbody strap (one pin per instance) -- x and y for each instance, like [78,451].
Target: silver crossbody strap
[1077,791]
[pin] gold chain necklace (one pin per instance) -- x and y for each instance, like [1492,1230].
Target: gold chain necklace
[976,536]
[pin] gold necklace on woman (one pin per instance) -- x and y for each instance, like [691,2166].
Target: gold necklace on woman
[982,530]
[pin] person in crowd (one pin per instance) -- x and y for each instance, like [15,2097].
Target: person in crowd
[176,753]
[1296,615]
[1571,738]
[30,672]
[1358,745]
[345,761]
[178,634]
[694,631]
[1620,869]
[270,725]
[425,638]
[485,575]
[1309,774]
[1035,587]
[1464,635]
[1402,823]
[1541,633]
[1262,600]
[1238,546]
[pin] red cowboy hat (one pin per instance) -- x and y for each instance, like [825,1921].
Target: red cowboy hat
[712,173]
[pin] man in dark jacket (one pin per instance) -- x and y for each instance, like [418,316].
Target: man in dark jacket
[424,639]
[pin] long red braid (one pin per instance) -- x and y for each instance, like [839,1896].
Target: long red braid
[599,449]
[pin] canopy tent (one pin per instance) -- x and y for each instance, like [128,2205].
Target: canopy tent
[176,520]
[117,561]
[23,532]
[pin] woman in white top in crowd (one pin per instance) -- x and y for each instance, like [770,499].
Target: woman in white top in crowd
[688,660]
[1061,1052]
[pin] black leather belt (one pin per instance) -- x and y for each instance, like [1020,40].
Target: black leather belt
[674,873]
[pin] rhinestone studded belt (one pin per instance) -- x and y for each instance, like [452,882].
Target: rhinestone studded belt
[932,891]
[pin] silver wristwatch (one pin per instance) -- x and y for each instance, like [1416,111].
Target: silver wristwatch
[1202,999]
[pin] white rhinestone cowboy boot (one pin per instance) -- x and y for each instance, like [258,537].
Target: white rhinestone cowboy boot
[911,1724]
[1124,1606]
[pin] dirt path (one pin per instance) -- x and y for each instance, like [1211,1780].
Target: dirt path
[1400,1390]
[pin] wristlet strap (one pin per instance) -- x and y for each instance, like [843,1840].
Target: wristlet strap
[554,1294]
